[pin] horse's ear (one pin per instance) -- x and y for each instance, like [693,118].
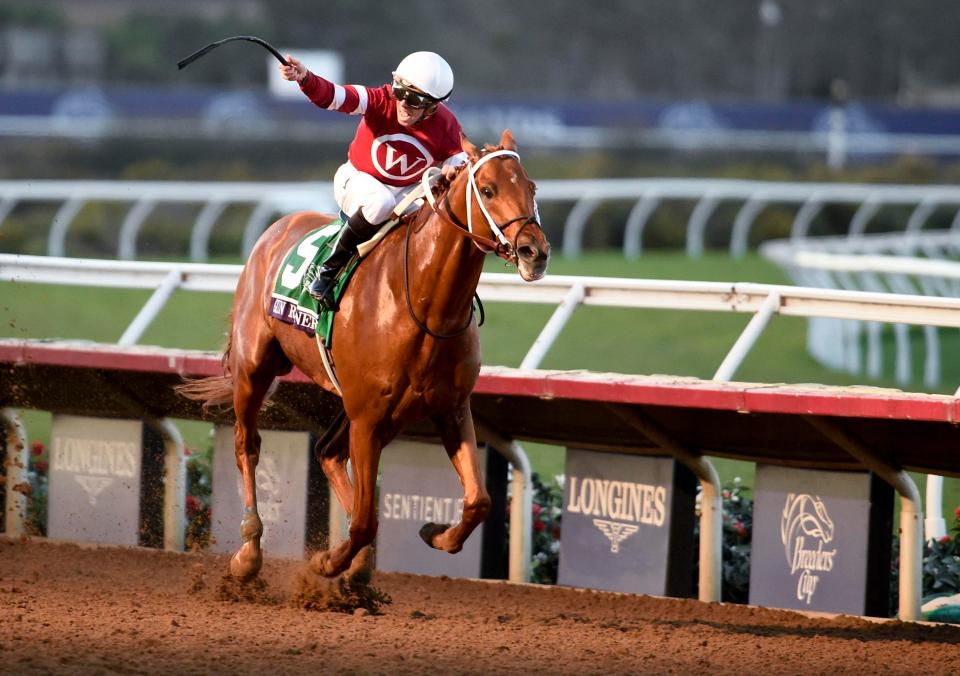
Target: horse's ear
[507,142]
[469,148]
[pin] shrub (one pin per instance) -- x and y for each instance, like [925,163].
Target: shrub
[37,494]
[737,535]
[547,514]
[941,565]
[199,489]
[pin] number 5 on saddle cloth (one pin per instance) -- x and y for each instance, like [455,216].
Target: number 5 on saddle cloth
[290,300]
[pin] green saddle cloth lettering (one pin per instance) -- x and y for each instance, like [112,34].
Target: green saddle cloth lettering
[290,300]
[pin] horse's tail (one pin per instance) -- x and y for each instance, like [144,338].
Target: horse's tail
[214,391]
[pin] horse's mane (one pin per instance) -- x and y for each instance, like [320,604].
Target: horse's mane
[442,186]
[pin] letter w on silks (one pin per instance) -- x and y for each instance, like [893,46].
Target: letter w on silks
[291,301]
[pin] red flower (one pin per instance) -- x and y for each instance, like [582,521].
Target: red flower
[537,509]
[741,530]
[945,539]
[956,512]
[41,466]
[193,505]
[539,527]
[37,448]
[556,533]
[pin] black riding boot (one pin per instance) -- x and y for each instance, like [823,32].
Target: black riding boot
[356,231]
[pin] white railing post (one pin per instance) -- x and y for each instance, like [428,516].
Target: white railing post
[636,222]
[551,331]
[15,470]
[521,502]
[748,338]
[934,526]
[152,308]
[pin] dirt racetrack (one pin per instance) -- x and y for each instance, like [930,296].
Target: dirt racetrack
[67,609]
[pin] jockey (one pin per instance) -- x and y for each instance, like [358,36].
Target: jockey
[405,129]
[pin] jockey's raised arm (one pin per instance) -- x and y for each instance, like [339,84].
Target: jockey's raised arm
[405,128]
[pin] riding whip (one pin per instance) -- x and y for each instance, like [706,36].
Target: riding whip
[213,45]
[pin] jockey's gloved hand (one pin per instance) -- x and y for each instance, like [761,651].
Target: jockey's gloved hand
[295,71]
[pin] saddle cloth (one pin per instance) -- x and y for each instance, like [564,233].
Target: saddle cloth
[290,300]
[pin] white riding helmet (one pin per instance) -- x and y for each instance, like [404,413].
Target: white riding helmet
[428,72]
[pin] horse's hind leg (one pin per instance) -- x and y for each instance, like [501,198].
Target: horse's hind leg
[460,441]
[332,455]
[253,375]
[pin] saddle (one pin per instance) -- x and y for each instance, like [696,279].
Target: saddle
[290,301]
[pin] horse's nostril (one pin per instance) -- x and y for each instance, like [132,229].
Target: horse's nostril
[527,252]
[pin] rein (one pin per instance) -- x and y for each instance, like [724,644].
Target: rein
[413,315]
[503,248]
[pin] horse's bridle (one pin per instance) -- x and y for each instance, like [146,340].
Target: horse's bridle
[503,248]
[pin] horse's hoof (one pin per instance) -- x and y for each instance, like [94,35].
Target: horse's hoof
[246,563]
[432,530]
[320,564]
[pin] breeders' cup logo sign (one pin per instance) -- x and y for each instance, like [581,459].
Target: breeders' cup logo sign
[399,156]
[805,530]
[94,463]
[620,506]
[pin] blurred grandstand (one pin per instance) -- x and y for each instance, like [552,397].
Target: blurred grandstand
[763,76]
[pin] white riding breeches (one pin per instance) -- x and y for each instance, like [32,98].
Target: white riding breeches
[354,189]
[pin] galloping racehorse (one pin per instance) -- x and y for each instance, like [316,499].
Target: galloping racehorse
[406,346]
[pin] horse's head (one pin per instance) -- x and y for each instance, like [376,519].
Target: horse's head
[499,200]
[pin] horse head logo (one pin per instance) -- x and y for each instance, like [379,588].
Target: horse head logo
[804,515]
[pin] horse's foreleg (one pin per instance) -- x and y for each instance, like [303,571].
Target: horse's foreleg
[460,441]
[365,458]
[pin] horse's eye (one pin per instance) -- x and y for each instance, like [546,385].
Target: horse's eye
[487,192]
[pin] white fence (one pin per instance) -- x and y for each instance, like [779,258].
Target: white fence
[567,293]
[267,200]
[877,263]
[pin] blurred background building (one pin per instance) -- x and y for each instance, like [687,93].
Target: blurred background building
[765,88]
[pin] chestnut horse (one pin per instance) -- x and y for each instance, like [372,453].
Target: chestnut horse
[406,345]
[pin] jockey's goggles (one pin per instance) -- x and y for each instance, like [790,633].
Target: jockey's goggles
[412,98]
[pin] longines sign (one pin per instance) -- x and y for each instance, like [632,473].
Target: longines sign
[99,473]
[623,523]
[819,540]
